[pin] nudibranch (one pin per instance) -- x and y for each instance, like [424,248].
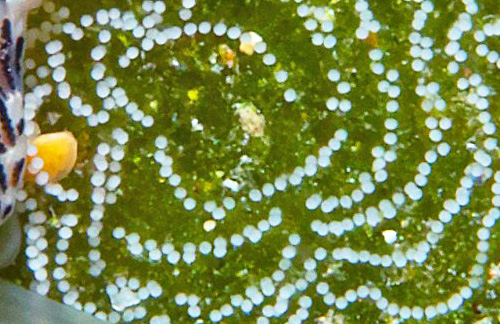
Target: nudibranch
[13,142]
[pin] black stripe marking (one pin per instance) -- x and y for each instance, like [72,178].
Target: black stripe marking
[20,127]
[7,211]
[6,33]
[19,55]
[3,178]
[5,59]
[3,149]
[16,172]
[6,125]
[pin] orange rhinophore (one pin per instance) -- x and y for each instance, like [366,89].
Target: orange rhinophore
[58,152]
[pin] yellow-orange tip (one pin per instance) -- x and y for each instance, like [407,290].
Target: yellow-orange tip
[58,152]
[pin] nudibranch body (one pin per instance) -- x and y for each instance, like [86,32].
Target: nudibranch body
[13,142]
